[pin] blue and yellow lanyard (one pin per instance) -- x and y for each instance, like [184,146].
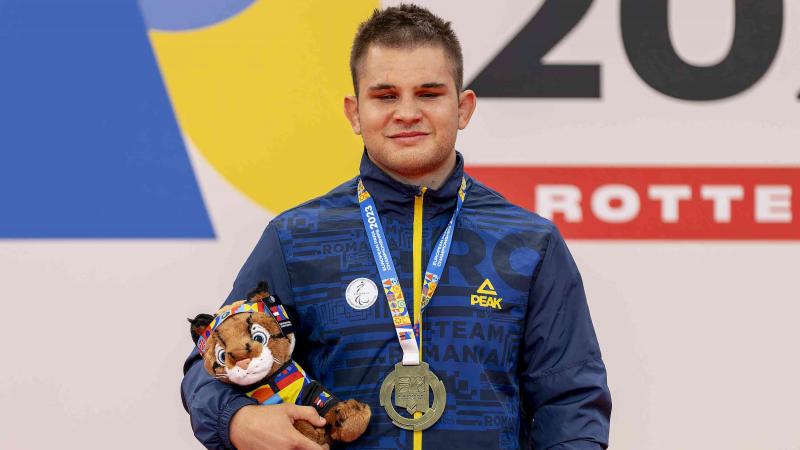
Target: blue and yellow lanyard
[406,333]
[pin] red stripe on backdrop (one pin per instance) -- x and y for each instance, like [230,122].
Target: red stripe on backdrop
[749,203]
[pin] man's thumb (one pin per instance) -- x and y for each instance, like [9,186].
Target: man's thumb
[307,413]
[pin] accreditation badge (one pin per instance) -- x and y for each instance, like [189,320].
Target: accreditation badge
[412,387]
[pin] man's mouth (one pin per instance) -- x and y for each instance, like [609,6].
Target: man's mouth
[408,137]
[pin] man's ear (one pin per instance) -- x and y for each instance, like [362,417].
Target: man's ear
[199,324]
[351,111]
[467,102]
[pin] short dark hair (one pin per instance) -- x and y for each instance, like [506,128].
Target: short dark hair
[406,26]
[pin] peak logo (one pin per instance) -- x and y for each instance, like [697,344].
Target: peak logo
[739,203]
[486,296]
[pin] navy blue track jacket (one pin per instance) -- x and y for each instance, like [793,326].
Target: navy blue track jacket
[524,371]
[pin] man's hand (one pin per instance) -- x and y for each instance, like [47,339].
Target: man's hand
[271,427]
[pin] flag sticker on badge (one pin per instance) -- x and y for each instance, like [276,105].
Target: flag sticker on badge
[279,313]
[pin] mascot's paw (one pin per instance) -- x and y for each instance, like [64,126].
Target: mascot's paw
[318,435]
[348,420]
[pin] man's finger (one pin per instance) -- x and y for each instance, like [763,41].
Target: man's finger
[307,413]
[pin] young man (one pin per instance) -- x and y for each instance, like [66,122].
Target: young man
[483,292]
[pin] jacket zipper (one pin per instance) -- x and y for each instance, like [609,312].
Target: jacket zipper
[417,267]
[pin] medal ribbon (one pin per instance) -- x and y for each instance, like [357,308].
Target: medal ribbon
[406,333]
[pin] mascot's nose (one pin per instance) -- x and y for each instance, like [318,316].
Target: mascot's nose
[243,363]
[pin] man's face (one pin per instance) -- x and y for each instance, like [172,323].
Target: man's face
[408,110]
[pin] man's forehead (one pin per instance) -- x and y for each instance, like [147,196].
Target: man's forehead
[417,66]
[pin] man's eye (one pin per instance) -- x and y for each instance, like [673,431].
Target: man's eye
[429,95]
[387,97]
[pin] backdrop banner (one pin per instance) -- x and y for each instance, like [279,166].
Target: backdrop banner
[144,146]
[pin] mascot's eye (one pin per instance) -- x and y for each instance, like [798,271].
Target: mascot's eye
[258,334]
[260,337]
[220,355]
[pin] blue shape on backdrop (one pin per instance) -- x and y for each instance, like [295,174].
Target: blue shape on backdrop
[89,144]
[177,15]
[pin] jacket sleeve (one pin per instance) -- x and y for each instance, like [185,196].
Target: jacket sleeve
[211,404]
[563,378]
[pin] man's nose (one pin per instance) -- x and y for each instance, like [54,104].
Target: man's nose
[407,111]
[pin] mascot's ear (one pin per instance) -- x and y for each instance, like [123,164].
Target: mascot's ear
[199,324]
[260,293]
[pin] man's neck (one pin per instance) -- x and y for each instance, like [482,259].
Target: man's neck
[431,180]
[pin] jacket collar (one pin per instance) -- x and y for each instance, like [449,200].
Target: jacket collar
[396,197]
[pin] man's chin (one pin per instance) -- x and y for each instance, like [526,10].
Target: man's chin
[408,161]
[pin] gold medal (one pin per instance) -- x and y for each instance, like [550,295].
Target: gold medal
[410,385]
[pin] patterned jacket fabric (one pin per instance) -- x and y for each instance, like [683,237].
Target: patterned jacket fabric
[508,330]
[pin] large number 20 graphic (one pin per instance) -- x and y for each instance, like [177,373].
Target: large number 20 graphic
[518,70]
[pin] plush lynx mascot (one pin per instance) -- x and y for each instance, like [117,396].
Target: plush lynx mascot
[250,343]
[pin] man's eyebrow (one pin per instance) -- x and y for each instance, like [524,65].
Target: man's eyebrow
[433,85]
[381,87]
[384,86]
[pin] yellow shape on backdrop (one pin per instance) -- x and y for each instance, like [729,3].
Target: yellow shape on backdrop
[260,95]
